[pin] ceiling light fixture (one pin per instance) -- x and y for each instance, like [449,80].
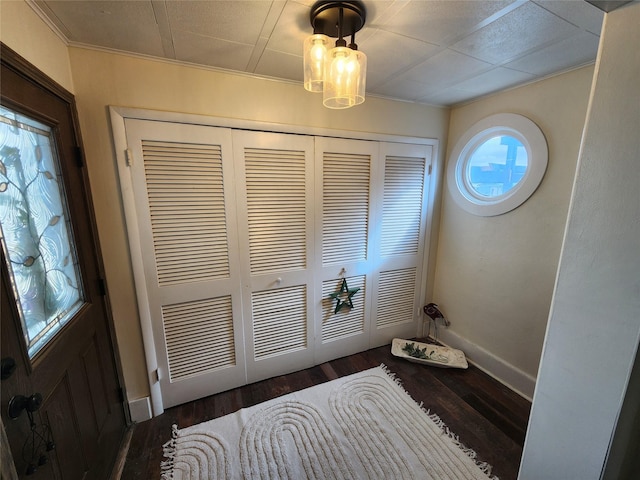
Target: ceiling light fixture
[339,72]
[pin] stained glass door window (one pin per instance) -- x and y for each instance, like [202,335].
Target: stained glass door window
[35,230]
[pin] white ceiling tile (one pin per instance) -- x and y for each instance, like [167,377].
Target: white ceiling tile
[446,68]
[515,34]
[204,50]
[407,42]
[256,53]
[577,50]
[389,53]
[129,26]
[236,21]
[493,80]
[306,3]
[292,28]
[440,21]
[280,65]
[579,12]
[377,10]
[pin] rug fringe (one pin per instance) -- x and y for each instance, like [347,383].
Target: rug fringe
[393,377]
[483,466]
[169,452]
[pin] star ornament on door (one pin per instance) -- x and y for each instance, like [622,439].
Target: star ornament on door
[343,296]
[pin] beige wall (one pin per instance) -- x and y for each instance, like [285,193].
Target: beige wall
[495,275]
[102,79]
[23,31]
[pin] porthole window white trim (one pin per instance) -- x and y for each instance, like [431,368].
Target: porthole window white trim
[503,124]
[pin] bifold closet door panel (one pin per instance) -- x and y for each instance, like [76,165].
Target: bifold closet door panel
[345,177]
[263,253]
[399,281]
[274,178]
[183,184]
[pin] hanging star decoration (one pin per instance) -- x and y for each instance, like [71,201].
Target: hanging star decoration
[343,296]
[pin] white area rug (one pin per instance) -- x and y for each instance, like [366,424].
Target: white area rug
[363,426]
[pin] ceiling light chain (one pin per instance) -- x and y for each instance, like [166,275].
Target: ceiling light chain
[340,72]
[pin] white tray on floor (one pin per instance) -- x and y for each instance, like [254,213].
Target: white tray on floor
[439,356]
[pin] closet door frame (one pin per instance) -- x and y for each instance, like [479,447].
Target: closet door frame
[118,114]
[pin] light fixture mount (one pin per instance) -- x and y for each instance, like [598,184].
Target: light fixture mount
[325,18]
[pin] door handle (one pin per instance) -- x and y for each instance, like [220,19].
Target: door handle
[19,403]
[40,440]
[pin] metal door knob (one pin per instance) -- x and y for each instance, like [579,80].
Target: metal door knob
[19,403]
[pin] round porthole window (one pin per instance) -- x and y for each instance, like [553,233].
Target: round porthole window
[497,164]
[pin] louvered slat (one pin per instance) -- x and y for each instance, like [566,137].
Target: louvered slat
[199,336]
[345,215]
[187,211]
[396,292]
[346,322]
[279,321]
[276,209]
[402,208]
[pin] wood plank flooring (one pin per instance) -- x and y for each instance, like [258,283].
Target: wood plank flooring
[486,415]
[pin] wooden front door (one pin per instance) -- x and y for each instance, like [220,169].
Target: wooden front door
[61,400]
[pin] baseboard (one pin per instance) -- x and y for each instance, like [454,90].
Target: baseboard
[520,382]
[140,410]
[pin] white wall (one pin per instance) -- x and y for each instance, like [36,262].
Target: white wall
[24,32]
[594,326]
[495,275]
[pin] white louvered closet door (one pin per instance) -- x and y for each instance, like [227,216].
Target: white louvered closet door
[400,241]
[345,225]
[275,212]
[182,177]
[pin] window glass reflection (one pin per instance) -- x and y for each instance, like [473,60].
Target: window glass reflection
[497,166]
[35,230]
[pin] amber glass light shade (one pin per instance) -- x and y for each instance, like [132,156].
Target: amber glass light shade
[315,53]
[340,78]
[361,78]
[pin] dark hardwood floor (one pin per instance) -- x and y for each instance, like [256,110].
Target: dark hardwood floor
[486,415]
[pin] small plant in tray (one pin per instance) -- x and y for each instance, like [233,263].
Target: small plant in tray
[417,352]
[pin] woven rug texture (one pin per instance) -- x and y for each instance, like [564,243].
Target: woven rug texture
[363,426]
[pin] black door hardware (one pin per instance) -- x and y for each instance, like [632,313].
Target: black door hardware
[8,367]
[40,439]
[19,403]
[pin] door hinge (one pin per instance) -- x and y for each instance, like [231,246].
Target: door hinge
[155,375]
[102,287]
[79,158]
[121,394]
[129,154]
[430,168]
